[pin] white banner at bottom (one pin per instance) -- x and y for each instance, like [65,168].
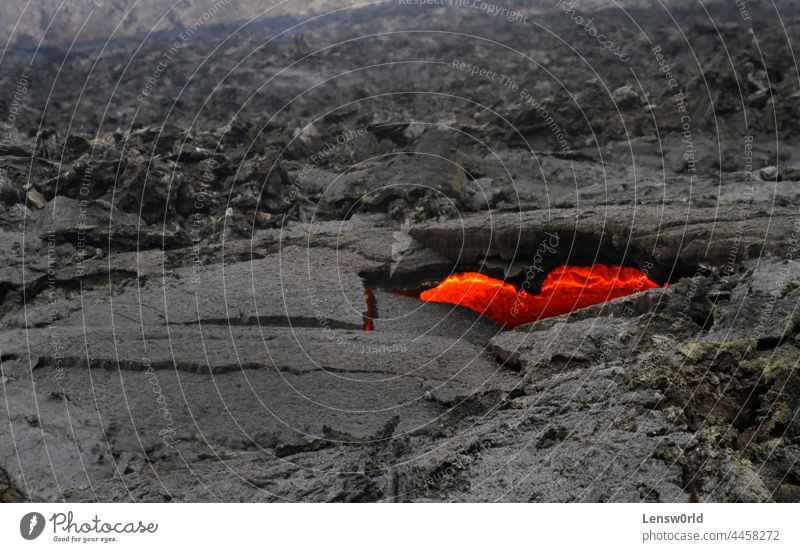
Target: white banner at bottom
[400,527]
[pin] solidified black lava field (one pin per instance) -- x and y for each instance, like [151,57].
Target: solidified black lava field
[199,225]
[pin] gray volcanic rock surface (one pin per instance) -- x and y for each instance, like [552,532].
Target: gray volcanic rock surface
[197,231]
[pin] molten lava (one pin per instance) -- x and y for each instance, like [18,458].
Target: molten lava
[369,314]
[565,289]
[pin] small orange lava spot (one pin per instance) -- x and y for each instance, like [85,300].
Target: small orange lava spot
[369,315]
[565,289]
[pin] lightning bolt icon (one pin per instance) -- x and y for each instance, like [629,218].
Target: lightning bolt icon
[34,523]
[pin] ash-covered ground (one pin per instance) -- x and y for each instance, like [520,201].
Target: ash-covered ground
[198,224]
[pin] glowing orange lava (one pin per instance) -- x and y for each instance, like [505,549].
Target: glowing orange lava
[369,314]
[565,289]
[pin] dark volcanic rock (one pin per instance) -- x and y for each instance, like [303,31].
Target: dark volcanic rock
[210,255]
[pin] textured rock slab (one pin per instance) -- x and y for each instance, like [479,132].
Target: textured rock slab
[674,238]
[315,286]
[95,395]
[566,441]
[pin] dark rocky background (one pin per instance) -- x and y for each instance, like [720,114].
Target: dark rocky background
[200,206]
